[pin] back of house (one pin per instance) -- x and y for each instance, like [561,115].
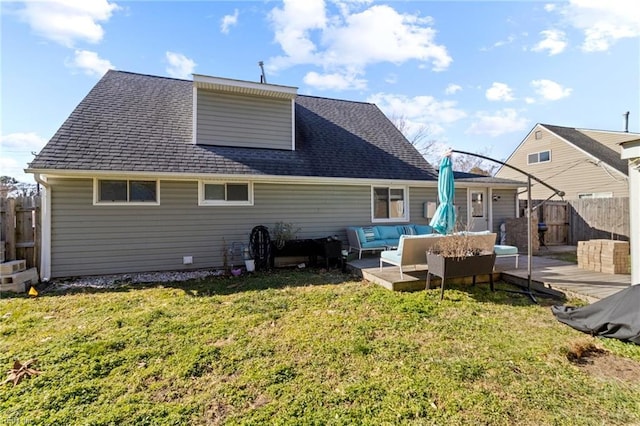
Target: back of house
[154,174]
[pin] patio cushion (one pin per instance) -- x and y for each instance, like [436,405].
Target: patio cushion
[393,255]
[407,230]
[423,229]
[502,250]
[388,232]
[366,234]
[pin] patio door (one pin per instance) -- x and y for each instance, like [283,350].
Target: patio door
[478,215]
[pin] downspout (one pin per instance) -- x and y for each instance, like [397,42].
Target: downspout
[45,227]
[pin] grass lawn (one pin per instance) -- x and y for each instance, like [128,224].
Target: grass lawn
[302,347]
[569,256]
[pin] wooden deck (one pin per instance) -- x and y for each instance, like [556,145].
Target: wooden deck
[547,274]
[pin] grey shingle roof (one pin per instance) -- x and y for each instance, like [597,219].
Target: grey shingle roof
[591,146]
[139,123]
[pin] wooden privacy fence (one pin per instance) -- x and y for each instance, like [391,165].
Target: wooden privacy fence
[584,219]
[599,218]
[20,227]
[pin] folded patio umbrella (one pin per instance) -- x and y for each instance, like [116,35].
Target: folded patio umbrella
[616,316]
[444,218]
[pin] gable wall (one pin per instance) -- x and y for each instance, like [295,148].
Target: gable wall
[98,240]
[570,170]
[243,121]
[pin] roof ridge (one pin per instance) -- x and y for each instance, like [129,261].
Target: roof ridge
[589,129]
[148,75]
[336,99]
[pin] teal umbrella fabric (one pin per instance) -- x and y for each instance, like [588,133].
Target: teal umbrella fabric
[444,218]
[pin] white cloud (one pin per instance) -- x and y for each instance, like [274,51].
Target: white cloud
[550,90]
[498,123]
[68,21]
[381,34]
[347,42]
[554,41]
[15,154]
[419,111]
[179,65]
[603,22]
[229,21]
[293,24]
[334,81]
[452,89]
[511,38]
[499,92]
[90,63]
[23,142]
[391,79]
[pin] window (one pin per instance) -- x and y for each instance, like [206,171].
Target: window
[125,191]
[538,134]
[539,157]
[389,204]
[225,193]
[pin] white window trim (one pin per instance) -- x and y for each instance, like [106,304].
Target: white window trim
[538,153]
[203,202]
[393,219]
[96,192]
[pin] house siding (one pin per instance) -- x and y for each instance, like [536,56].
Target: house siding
[503,208]
[460,202]
[570,169]
[99,240]
[243,121]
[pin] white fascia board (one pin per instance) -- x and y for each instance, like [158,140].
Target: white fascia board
[85,174]
[262,178]
[293,125]
[194,118]
[630,149]
[244,87]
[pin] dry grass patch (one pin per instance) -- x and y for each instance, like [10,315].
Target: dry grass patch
[601,363]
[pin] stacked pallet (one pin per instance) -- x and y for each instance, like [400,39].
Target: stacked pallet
[14,276]
[608,256]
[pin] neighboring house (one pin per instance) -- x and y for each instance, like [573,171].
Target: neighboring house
[151,173]
[583,163]
[631,153]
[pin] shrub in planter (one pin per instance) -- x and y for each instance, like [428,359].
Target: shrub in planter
[454,257]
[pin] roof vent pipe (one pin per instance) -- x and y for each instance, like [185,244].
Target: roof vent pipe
[263,78]
[626,121]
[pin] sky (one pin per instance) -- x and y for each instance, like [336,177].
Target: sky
[471,75]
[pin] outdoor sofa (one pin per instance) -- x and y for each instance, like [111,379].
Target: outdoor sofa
[412,249]
[381,237]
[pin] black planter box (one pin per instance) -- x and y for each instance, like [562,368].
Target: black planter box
[453,267]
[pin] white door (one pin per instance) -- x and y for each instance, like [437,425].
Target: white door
[478,216]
